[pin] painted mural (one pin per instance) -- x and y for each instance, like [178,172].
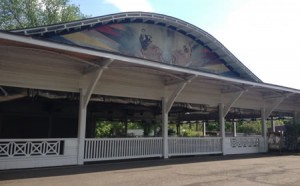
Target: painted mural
[152,42]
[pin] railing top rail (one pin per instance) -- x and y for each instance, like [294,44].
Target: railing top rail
[243,137]
[142,138]
[34,139]
[207,137]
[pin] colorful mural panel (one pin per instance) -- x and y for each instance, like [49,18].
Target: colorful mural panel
[152,42]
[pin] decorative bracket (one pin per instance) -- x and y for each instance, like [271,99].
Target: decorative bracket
[177,91]
[275,104]
[96,75]
[234,99]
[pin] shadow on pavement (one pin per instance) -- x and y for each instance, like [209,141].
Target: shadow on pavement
[122,165]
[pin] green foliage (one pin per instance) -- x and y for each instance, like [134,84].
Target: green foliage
[103,129]
[18,14]
[147,127]
[117,128]
[191,133]
[292,135]
[186,130]
[133,125]
[109,129]
[249,127]
[213,126]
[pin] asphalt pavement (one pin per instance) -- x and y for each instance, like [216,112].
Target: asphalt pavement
[253,169]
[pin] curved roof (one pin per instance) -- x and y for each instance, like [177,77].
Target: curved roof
[189,30]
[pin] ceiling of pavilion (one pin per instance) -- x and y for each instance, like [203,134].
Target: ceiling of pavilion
[154,37]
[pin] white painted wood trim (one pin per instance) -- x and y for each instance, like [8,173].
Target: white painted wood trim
[234,99]
[100,149]
[42,43]
[222,124]
[246,145]
[165,124]
[81,127]
[69,156]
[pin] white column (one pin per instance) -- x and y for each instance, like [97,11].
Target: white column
[264,128]
[81,128]
[222,125]
[272,124]
[165,128]
[234,128]
[295,117]
[204,128]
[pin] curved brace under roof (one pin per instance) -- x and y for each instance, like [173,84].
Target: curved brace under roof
[189,30]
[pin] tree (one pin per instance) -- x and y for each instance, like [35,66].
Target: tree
[18,14]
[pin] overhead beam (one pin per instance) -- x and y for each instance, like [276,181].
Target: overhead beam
[75,59]
[96,76]
[234,88]
[179,80]
[176,93]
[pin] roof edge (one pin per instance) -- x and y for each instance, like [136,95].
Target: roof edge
[190,30]
[78,49]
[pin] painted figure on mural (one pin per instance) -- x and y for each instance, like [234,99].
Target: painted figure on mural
[148,49]
[182,57]
[145,39]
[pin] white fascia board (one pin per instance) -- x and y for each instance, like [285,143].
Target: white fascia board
[76,49]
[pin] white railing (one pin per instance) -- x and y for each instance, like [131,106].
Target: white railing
[194,145]
[98,149]
[30,147]
[242,142]
[29,153]
[244,145]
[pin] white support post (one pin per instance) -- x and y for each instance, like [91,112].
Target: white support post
[234,128]
[165,128]
[295,117]
[264,128]
[273,126]
[85,95]
[222,125]
[167,104]
[266,112]
[204,128]
[81,128]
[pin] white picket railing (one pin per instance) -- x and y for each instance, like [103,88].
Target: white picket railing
[98,149]
[194,145]
[30,147]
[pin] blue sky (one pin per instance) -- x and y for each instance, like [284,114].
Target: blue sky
[262,34]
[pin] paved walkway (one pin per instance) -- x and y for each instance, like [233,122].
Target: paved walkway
[259,169]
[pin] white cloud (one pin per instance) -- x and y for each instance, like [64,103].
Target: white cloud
[265,36]
[131,5]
